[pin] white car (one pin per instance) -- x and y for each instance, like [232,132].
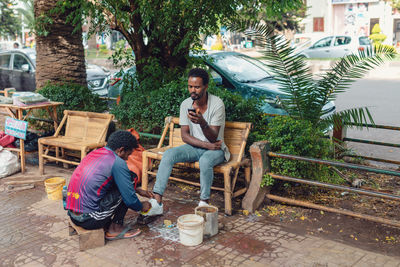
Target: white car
[337,46]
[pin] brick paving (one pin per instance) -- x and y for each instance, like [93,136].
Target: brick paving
[34,232]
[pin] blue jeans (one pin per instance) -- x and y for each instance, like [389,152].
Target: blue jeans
[187,153]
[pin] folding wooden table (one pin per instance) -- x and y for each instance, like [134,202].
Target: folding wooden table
[17,112]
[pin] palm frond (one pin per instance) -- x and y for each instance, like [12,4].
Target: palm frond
[290,71]
[348,69]
[359,116]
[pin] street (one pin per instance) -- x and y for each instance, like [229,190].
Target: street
[380,92]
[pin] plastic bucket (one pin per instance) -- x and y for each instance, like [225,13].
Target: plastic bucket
[54,187]
[190,229]
[210,215]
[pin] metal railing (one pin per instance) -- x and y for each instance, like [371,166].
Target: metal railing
[339,136]
[371,193]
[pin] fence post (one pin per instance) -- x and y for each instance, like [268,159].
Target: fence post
[339,133]
[260,165]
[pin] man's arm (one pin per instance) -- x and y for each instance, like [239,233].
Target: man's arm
[188,139]
[122,178]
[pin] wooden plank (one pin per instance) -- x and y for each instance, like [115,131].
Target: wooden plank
[87,238]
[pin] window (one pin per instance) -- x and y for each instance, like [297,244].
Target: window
[19,60]
[318,25]
[323,42]
[241,69]
[342,40]
[5,61]
[364,41]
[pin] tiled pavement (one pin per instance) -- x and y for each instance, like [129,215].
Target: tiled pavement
[34,232]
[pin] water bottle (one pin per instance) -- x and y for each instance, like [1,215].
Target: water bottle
[64,196]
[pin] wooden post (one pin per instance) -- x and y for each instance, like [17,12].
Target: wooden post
[339,132]
[21,145]
[261,164]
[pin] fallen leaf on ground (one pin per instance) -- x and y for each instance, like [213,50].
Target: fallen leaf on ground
[245,212]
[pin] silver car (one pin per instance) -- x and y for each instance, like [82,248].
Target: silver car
[18,68]
[337,46]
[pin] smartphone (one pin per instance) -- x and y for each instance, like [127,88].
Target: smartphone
[191,110]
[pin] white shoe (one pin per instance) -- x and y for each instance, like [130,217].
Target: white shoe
[156,209]
[203,204]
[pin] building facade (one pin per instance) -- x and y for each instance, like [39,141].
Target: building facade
[352,17]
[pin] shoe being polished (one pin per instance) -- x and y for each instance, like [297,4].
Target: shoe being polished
[156,209]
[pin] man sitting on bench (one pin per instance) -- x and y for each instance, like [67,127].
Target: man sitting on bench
[101,189]
[202,121]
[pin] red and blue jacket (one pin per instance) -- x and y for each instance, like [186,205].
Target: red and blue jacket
[98,173]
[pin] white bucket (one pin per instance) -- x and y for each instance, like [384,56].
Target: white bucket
[190,229]
[210,215]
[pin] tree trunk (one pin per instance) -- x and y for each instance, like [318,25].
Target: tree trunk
[60,54]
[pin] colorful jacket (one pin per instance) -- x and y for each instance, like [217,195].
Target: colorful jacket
[98,173]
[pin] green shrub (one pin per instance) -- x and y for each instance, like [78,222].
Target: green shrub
[295,137]
[103,49]
[376,35]
[74,97]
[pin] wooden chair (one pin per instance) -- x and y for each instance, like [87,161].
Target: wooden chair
[235,138]
[84,131]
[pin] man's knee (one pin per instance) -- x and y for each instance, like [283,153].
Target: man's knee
[169,156]
[206,162]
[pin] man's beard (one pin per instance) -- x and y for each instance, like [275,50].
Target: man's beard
[195,96]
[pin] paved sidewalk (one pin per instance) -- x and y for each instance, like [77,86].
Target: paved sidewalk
[34,232]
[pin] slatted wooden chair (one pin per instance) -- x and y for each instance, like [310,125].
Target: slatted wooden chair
[84,131]
[235,138]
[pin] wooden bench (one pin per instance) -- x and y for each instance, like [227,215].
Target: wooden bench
[235,138]
[87,238]
[84,131]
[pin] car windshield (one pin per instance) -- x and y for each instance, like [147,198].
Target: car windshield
[242,69]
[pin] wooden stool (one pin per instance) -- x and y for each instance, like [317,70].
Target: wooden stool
[87,238]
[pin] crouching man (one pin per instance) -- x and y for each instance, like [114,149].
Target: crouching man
[101,189]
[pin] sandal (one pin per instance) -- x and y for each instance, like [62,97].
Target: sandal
[123,235]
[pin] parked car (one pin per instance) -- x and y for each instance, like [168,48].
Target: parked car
[239,73]
[18,67]
[337,46]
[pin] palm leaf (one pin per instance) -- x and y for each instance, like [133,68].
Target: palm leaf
[340,119]
[348,69]
[290,71]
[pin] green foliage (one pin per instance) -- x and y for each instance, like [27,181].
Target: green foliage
[122,57]
[298,137]
[390,48]
[74,97]
[27,12]
[376,35]
[305,97]
[396,4]
[9,22]
[279,14]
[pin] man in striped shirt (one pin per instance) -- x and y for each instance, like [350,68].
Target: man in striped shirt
[101,189]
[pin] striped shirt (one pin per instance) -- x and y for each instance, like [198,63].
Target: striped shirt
[99,172]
